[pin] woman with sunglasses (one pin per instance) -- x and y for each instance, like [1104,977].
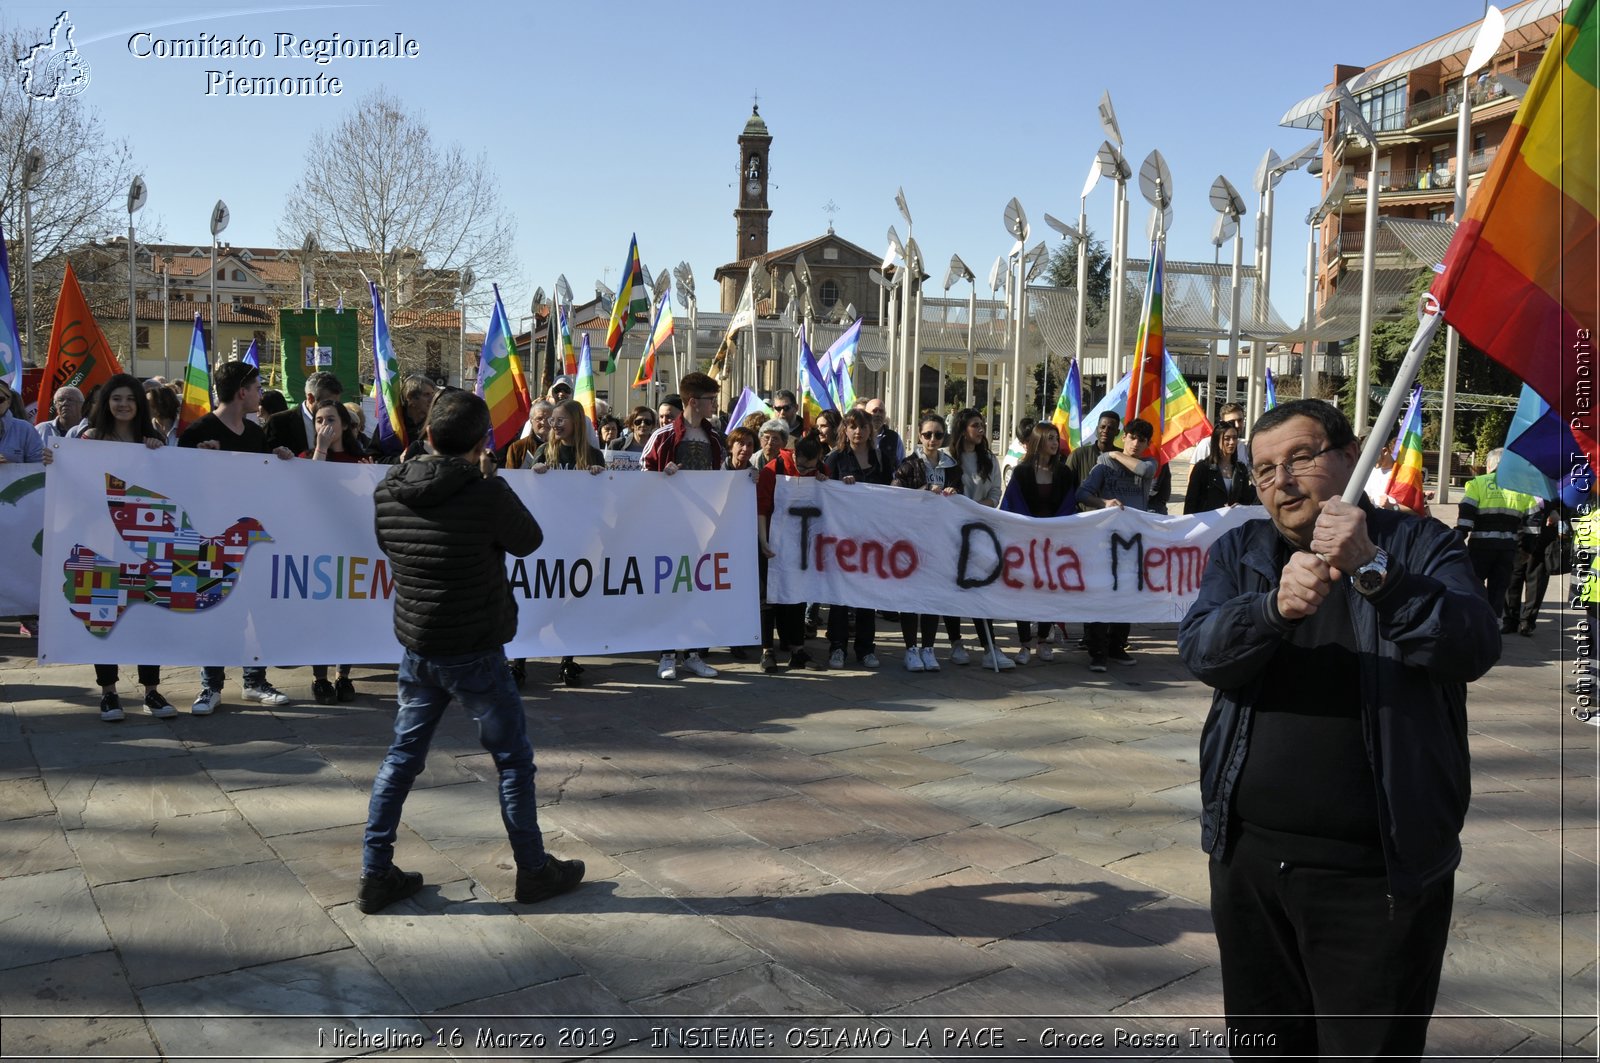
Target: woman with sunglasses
[939,467]
[20,443]
[1041,486]
[856,461]
[977,473]
[121,414]
[641,426]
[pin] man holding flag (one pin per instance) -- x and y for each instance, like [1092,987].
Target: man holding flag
[1334,769]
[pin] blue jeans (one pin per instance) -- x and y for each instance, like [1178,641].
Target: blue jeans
[482,683]
[212,678]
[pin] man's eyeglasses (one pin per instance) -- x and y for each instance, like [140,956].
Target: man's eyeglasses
[783,409]
[933,435]
[1300,465]
[640,422]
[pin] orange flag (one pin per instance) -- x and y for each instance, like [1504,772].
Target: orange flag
[78,355]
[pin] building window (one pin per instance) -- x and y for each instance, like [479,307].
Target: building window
[238,274]
[829,294]
[141,337]
[260,338]
[434,359]
[1384,106]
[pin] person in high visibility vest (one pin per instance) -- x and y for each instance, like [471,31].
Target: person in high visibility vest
[1494,522]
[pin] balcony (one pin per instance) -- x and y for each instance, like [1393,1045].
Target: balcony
[1424,179]
[1483,92]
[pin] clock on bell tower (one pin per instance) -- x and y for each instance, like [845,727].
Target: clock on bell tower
[752,213]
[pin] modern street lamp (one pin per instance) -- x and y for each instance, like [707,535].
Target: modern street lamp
[1268,174]
[533,328]
[1116,168]
[685,290]
[137,194]
[1490,33]
[1227,201]
[1350,115]
[1016,222]
[958,271]
[1223,229]
[468,279]
[219,222]
[1155,184]
[1336,190]
[32,167]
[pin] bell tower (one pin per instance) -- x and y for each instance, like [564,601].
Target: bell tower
[752,213]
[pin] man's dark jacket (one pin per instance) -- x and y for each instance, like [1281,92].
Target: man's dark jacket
[1427,633]
[447,530]
[288,429]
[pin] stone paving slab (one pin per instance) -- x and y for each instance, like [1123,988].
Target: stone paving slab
[887,844]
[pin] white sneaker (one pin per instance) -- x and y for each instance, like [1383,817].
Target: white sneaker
[997,660]
[1046,651]
[959,654]
[930,663]
[869,660]
[267,694]
[836,659]
[1055,638]
[1022,655]
[914,661]
[695,666]
[668,668]
[206,703]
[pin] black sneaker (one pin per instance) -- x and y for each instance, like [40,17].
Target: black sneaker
[111,708]
[383,889]
[1097,664]
[322,690]
[1122,657]
[553,879]
[800,660]
[158,706]
[344,690]
[519,671]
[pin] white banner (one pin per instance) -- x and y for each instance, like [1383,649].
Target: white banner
[179,556]
[917,551]
[21,522]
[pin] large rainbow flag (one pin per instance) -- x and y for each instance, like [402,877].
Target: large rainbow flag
[1520,279]
[569,353]
[631,301]
[501,382]
[196,400]
[660,333]
[389,414]
[1405,478]
[583,383]
[1157,391]
[1068,417]
[815,395]
[841,358]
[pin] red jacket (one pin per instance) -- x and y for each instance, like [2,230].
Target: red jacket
[767,479]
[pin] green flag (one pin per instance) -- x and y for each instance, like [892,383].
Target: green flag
[320,339]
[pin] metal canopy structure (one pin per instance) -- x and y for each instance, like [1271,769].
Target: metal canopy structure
[1307,114]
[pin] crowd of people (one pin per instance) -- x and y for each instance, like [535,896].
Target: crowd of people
[1040,478]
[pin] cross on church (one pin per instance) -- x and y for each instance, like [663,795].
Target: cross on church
[830,208]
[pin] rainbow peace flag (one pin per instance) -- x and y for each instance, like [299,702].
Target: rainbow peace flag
[815,395]
[1271,398]
[631,301]
[195,402]
[1520,279]
[660,333]
[569,355]
[1157,391]
[501,383]
[10,339]
[841,357]
[390,417]
[1405,478]
[583,383]
[1068,417]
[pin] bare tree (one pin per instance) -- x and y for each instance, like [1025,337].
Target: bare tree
[380,194]
[80,192]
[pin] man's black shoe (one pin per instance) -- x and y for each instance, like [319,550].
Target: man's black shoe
[344,690]
[383,889]
[554,878]
[323,691]
[1526,631]
[1508,629]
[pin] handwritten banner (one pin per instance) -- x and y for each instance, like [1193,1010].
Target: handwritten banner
[194,557]
[917,551]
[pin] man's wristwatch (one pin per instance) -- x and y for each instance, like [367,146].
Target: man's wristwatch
[1370,576]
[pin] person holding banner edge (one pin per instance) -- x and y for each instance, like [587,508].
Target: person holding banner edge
[446,523]
[1334,767]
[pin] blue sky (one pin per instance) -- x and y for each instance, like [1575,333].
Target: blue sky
[963,104]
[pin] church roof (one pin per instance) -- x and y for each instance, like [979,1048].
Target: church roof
[783,254]
[756,126]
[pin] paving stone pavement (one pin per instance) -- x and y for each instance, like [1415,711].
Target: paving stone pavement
[903,849]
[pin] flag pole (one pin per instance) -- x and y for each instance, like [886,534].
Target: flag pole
[1429,318]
